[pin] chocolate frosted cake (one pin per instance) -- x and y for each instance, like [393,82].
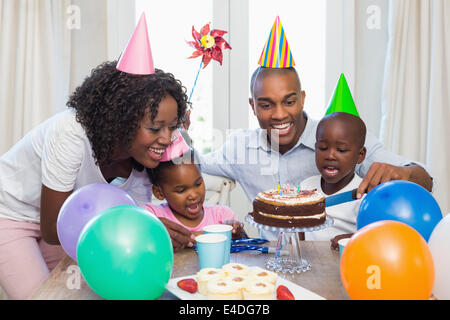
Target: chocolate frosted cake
[291,209]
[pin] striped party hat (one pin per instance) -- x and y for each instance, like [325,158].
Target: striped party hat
[276,53]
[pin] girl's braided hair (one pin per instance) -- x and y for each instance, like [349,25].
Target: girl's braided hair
[110,105]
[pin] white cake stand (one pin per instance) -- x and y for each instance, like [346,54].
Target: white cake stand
[289,237]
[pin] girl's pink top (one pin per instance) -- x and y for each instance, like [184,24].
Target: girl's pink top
[211,215]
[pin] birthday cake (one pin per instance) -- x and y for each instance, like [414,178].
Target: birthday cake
[288,208]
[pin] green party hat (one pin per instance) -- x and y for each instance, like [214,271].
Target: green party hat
[342,100]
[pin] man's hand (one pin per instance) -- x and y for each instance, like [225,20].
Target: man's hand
[382,172]
[180,236]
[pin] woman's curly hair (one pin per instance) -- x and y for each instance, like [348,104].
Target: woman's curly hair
[110,105]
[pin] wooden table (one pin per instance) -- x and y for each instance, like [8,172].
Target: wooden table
[66,283]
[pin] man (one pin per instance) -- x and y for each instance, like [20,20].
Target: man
[282,150]
[283,146]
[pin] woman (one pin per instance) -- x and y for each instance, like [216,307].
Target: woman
[116,125]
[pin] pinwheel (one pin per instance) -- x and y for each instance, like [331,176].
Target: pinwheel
[209,45]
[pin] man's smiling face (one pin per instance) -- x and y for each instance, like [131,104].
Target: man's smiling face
[278,102]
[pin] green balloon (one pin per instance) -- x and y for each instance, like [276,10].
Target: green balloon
[125,253]
[342,100]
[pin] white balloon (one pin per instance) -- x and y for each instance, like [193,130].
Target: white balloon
[439,244]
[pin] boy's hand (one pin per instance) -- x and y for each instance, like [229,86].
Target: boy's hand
[238,229]
[334,241]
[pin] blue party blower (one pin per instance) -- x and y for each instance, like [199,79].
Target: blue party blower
[341,198]
[239,248]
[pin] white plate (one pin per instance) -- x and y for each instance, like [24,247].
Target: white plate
[299,292]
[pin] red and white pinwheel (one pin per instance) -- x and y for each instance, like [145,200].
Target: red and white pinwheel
[209,44]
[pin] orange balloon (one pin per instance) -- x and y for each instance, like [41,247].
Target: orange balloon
[387,260]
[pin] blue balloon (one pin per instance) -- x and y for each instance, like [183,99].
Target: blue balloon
[402,201]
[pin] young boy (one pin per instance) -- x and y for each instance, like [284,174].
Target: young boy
[180,183]
[339,148]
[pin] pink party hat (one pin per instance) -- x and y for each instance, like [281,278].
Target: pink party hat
[137,56]
[177,148]
[276,52]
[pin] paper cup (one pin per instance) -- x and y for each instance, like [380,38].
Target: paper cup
[224,229]
[342,243]
[210,248]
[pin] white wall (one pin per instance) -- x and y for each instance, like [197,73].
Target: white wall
[356,46]
[89,41]
[371,44]
[105,28]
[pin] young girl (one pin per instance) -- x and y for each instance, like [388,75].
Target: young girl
[180,183]
[116,125]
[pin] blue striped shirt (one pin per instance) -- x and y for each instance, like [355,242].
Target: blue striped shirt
[247,158]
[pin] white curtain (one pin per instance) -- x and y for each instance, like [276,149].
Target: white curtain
[34,64]
[416,103]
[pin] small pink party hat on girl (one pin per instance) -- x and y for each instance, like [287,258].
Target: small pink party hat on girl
[177,147]
[137,56]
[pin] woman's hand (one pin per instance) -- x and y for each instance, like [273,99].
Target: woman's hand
[51,203]
[180,236]
[186,120]
[197,233]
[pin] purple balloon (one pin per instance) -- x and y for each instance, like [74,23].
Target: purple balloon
[81,206]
